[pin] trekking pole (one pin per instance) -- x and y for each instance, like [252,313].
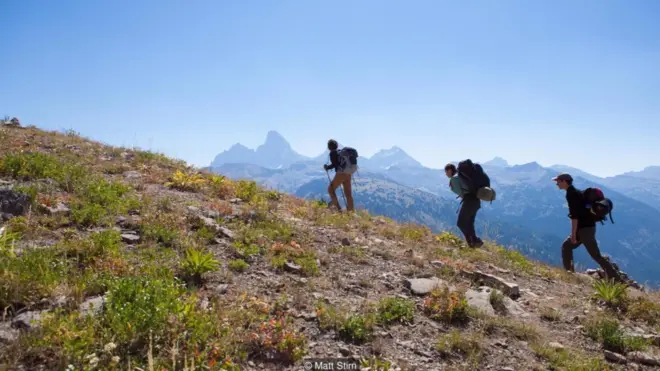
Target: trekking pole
[340,187]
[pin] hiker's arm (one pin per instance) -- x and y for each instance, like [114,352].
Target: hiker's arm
[334,160]
[574,223]
[574,212]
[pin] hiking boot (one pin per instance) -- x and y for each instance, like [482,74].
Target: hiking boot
[477,244]
[332,207]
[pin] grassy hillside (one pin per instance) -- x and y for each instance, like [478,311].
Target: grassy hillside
[380,195]
[120,259]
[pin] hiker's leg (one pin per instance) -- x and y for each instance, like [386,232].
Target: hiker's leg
[348,190]
[461,222]
[588,237]
[567,253]
[332,191]
[477,240]
[466,220]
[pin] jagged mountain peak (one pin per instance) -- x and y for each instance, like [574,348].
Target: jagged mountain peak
[530,166]
[497,161]
[275,152]
[238,146]
[394,156]
[394,150]
[649,172]
[275,140]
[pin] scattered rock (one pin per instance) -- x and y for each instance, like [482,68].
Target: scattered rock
[291,267]
[130,238]
[221,289]
[530,293]
[423,286]
[60,301]
[344,351]
[226,232]
[555,345]
[480,299]
[211,214]
[132,174]
[59,209]
[13,203]
[26,320]
[345,241]
[209,222]
[643,358]
[437,264]
[92,306]
[510,289]
[615,357]
[235,200]
[7,333]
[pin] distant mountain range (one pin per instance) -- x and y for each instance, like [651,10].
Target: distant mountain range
[530,213]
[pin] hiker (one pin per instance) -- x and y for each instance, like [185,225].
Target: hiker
[345,164]
[470,205]
[583,229]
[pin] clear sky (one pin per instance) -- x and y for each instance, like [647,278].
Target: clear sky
[570,82]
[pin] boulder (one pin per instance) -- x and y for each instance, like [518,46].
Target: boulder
[423,286]
[13,203]
[510,289]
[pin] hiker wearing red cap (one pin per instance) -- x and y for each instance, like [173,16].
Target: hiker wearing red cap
[583,228]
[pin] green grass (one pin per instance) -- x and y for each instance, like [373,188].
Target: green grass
[609,333]
[351,327]
[612,293]
[568,359]
[465,345]
[198,262]
[395,310]
[26,279]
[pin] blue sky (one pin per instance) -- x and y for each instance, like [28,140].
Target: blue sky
[566,82]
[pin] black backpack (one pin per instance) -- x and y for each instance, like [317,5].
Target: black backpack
[347,156]
[473,176]
[599,205]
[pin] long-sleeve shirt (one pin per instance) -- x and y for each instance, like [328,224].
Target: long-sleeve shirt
[577,209]
[334,160]
[456,186]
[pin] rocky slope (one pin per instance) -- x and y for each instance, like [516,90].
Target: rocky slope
[528,215]
[115,258]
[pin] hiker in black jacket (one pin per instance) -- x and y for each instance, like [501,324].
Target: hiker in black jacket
[583,229]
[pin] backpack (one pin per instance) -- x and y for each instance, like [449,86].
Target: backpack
[476,180]
[599,205]
[347,156]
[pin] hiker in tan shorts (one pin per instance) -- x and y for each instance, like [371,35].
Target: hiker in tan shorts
[344,162]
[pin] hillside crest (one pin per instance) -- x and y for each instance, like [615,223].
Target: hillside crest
[117,258]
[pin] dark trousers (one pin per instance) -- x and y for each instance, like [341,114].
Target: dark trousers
[466,217]
[587,237]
